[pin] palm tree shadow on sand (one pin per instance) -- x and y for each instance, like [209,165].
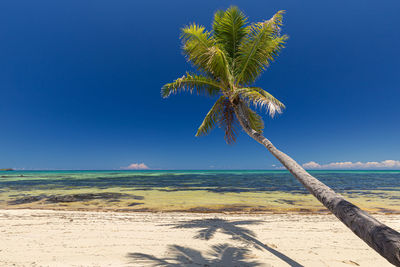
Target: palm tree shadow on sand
[208,228]
[219,255]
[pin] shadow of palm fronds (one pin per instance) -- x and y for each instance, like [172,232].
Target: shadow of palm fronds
[208,227]
[219,255]
[235,229]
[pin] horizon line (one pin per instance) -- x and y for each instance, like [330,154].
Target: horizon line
[196,170]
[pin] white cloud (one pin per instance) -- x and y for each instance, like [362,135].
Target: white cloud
[311,165]
[136,166]
[386,164]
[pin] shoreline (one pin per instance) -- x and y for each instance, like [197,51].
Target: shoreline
[95,238]
[199,210]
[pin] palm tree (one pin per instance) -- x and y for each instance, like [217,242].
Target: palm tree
[229,59]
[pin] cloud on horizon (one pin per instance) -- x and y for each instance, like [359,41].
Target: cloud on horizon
[136,166]
[386,164]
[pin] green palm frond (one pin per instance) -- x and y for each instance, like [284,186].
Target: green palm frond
[196,43]
[255,120]
[201,49]
[259,48]
[211,118]
[223,115]
[261,98]
[219,66]
[229,28]
[192,82]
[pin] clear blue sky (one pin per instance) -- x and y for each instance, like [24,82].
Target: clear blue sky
[80,85]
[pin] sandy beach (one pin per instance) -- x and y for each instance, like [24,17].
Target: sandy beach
[199,133]
[77,238]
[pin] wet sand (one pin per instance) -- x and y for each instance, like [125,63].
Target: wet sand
[77,238]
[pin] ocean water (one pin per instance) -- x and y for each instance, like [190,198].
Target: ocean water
[201,191]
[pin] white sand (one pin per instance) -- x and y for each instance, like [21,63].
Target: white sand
[73,238]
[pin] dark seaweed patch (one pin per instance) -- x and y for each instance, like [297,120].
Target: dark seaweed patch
[113,200]
[88,196]
[111,197]
[286,201]
[25,200]
[135,204]
[228,208]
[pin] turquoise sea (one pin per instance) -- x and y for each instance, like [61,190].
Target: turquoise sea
[195,190]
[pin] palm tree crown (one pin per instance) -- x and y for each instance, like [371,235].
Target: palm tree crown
[229,59]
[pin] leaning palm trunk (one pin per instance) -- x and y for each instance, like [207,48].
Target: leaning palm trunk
[380,237]
[230,58]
